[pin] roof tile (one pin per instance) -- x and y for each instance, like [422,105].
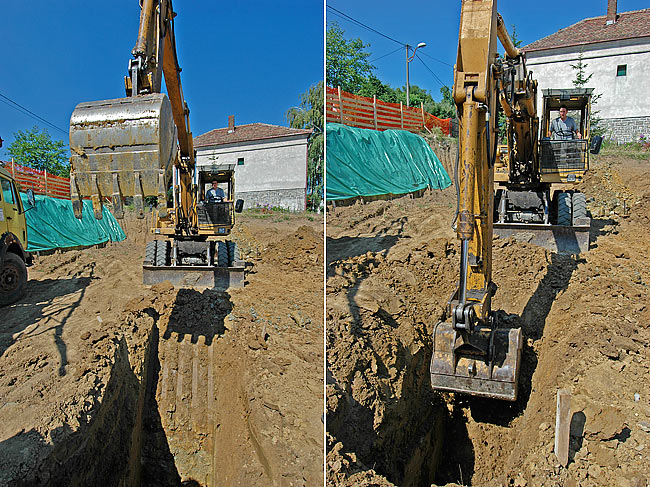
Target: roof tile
[245,133]
[628,25]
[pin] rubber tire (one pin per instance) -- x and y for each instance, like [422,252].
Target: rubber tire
[150,253]
[564,209]
[13,279]
[579,204]
[233,252]
[222,254]
[162,253]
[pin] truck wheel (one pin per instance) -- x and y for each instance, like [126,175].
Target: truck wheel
[150,253]
[162,253]
[233,252]
[222,254]
[564,209]
[13,279]
[579,202]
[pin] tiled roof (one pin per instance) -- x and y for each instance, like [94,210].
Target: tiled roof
[245,133]
[628,25]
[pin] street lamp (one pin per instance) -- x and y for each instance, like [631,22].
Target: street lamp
[408,60]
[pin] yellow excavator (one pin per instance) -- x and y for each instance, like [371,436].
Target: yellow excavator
[533,191]
[141,146]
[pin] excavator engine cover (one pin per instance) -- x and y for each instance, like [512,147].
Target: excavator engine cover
[483,363]
[121,147]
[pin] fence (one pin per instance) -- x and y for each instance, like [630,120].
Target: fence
[39,181]
[370,113]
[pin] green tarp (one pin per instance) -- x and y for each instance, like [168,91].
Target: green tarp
[52,224]
[363,162]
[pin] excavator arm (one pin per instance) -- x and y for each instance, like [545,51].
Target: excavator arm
[131,146]
[472,352]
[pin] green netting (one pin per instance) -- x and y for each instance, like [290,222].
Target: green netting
[362,162]
[52,224]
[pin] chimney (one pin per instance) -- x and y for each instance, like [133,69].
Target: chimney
[611,12]
[231,121]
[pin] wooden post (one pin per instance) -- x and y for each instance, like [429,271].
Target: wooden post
[340,105]
[374,109]
[422,108]
[45,172]
[562,424]
[13,169]
[401,112]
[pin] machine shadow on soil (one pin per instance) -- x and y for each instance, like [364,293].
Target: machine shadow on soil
[29,309]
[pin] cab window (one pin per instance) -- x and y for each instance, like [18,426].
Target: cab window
[7,195]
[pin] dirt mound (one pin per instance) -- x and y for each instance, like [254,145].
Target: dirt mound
[584,320]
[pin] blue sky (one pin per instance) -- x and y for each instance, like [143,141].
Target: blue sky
[251,59]
[436,23]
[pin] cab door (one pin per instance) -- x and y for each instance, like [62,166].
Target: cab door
[11,217]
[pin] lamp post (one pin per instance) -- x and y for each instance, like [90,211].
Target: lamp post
[408,60]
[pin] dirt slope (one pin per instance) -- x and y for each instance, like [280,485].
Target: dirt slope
[392,266]
[74,356]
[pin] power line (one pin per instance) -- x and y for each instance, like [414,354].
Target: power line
[380,57]
[28,112]
[431,57]
[434,74]
[361,24]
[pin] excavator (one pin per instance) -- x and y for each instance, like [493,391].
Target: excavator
[527,185]
[141,147]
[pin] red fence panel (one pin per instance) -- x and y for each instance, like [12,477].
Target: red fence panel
[41,182]
[370,113]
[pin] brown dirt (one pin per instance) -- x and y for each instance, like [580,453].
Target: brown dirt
[392,266]
[199,386]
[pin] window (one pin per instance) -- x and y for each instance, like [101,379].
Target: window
[6,190]
[240,161]
[621,70]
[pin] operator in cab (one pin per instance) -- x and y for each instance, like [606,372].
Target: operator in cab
[215,194]
[563,127]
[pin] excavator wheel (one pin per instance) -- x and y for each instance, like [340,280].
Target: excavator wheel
[150,253]
[233,252]
[222,254]
[162,253]
[579,203]
[564,209]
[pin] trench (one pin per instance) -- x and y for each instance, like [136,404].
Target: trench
[157,421]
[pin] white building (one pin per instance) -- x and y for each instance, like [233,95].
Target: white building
[616,49]
[271,162]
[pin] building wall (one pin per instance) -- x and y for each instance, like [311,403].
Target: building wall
[274,171]
[624,105]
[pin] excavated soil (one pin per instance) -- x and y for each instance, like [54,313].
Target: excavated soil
[104,381]
[392,266]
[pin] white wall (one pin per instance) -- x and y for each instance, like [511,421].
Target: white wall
[273,165]
[622,96]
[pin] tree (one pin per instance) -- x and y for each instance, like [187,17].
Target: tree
[309,115]
[347,63]
[35,148]
[580,81]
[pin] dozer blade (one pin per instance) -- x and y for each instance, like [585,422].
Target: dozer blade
[455,367]
[563,239]
[122,147]
[196,276]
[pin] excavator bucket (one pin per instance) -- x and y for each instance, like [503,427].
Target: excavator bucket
[483,363]
[563,239]
[121,147]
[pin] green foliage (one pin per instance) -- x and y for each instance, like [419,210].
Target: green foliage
[347,61]
[309,115]
[35,148]
[581,79]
